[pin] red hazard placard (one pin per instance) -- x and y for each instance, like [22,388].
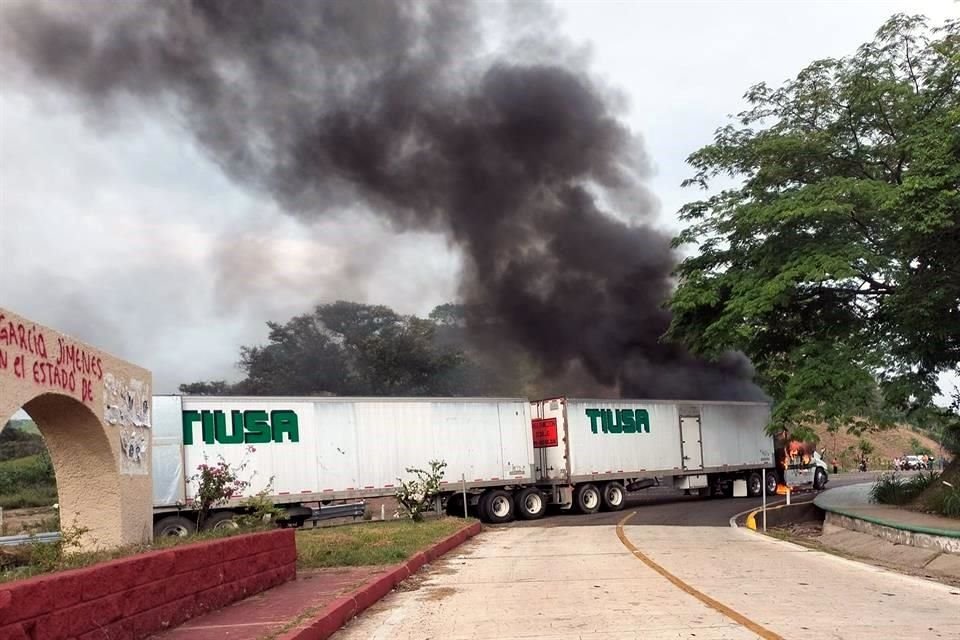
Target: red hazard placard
[544,432]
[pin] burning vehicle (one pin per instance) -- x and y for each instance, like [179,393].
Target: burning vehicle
[799,464]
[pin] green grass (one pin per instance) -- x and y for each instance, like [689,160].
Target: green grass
[27,482]
[25,464]
[39,496]
[374,543]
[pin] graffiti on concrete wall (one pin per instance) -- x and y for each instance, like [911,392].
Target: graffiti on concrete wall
[51,362]
[126,405]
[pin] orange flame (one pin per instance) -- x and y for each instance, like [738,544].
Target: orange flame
[782,489]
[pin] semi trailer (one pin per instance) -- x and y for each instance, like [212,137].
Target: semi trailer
[507,457]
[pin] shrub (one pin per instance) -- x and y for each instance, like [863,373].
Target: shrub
[890,488]
[260,510]
[944,500]
[950,502]
[920,482]
[216,484]
[416,496]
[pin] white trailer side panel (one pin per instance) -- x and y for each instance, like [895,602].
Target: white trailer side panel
[735,435]
[280,467]
[603,453]
[357,444]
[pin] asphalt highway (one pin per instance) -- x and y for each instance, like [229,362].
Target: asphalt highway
[669,507]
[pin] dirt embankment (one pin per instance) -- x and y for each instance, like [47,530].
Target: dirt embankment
[887,445]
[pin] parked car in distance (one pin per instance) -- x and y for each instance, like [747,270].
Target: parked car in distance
[913,462]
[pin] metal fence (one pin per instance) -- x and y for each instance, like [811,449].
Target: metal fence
[333,511]
[27,538]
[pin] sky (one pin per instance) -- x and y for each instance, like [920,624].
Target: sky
[122,233]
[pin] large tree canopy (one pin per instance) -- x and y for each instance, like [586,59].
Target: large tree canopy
[835,264]
[347,348]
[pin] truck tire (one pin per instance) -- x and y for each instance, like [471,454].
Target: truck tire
[587,498]
[497,506]
[819,479]
[771,482]
[614,496]
[530,503]
[455,505]
[174,527]
[754,484]
[221,520]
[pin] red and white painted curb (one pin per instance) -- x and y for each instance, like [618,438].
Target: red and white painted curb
[328,621]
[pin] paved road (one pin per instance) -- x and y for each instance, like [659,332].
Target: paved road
[654,582]
[669,568]
[661,506]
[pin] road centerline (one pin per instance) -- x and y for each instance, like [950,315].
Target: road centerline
[737,617]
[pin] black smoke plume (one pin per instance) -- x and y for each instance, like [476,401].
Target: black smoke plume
[402,108]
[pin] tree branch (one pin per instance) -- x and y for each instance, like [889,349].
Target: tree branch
[913,76]
[877,247]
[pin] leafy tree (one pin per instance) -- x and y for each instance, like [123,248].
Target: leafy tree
[211,388]
[833,265]
[347,348]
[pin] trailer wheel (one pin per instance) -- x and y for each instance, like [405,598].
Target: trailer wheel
[496,506]
[174,527]
[754,485]
[530,503]
[771,482]
[613,496]
[819,479]
[220,520]
[586,498]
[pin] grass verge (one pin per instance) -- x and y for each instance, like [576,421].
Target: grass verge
[373,543]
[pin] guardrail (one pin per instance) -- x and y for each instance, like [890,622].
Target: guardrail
[330,512]
[333,511]
[27,538]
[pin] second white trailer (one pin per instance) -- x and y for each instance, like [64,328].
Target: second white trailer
[590,452]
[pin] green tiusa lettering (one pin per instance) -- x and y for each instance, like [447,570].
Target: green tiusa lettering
[619,420]
[254,426]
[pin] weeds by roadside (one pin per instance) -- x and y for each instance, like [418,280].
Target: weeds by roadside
[926,491]
[372,543]
[892,488]
[944,500]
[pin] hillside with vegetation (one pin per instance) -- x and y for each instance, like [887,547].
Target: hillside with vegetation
[883,445]
[26,473]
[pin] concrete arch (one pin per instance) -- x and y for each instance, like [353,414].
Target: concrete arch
[93,411]
[87,484]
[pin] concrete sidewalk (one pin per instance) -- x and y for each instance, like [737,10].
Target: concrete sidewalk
[583,582]
[854,501]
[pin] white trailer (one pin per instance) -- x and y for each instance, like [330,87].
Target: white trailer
[316,450]
[589,453]
[508,457]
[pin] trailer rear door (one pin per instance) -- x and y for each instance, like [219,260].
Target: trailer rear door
[167,452]
[690,443]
